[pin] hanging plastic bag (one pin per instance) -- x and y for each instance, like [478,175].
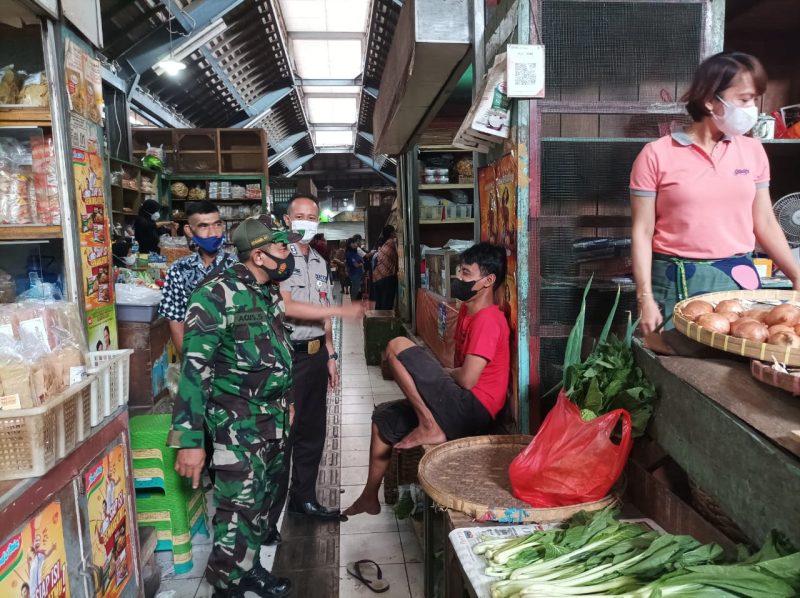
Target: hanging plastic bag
[571,461]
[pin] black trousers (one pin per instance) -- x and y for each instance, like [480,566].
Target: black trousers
[385,292]
[307,436]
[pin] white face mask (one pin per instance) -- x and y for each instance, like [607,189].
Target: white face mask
[130,260]
[735,120]
[307,227]
[155,216]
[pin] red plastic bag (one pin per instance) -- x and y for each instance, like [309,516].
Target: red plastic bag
[571,461]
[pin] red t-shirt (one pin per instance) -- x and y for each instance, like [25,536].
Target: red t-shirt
[485,334]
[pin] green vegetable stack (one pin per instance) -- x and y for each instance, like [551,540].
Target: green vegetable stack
[597,555]
[608,379]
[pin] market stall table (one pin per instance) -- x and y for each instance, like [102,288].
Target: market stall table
[730,433]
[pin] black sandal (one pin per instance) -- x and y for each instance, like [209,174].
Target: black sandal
[378,585]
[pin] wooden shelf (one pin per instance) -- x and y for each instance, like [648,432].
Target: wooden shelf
[431,187]
[124,188]
[442,149]
[449,221]
[194,152]
[29,232]
[25,116]
[254,152]
[220,201]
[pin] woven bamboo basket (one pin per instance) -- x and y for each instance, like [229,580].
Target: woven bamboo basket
[730,344]
[471,475]
[763,372]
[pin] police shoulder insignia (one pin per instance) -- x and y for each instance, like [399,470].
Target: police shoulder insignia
[293,249]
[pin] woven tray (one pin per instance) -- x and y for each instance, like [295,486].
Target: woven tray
[763,372]
[471,475]
[738,346]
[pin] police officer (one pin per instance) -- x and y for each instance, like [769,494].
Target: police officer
[236,374]
[314,363]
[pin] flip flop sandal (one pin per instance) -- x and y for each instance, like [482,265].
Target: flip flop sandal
[378,585]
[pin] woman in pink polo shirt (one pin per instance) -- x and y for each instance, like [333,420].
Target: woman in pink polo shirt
[700,197]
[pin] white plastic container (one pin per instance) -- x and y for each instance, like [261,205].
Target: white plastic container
[111,388]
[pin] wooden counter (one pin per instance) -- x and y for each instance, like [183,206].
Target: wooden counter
[733,437]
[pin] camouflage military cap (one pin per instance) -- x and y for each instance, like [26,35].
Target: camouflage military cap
[253,233]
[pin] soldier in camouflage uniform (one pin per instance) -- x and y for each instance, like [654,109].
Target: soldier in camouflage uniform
[236,373]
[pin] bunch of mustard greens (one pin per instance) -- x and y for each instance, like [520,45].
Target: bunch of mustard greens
[608,378]
[598,555]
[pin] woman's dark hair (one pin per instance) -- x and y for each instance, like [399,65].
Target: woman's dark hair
[491,259]
[200,207]
[388,231]
[149,207]
[715,74]
[99,346]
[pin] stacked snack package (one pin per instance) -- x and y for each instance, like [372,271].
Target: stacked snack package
[42,352]
[17,206]
[45,180]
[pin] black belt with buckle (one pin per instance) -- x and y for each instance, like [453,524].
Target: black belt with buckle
[311,346]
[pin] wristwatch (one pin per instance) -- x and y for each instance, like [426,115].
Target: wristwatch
[333,356]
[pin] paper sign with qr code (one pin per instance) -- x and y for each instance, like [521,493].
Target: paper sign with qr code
[525,71]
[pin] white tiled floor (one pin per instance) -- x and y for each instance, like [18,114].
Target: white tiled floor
[381,538]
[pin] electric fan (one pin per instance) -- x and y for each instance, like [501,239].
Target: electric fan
[787,211]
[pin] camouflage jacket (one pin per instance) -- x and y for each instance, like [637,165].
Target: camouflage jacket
[237,363]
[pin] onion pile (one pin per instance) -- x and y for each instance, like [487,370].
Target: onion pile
[695,309]
[777,326]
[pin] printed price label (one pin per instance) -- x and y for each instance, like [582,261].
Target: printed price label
[7,330]
[10,402]
[76,374]
[35,328]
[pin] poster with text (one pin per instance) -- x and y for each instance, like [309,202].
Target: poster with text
[497,196]
[93,228]
[33,563]
[109,524]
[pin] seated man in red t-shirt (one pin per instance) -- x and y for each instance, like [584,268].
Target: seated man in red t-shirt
[444,405]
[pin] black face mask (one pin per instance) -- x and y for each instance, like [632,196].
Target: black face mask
[283,269]
[462,289]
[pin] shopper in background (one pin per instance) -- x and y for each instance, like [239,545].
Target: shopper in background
[339,267]
[306,294]
[236,376]
[206,230]
[146,228]
[320,245]
[121,251]
[355,268]
[443,405]
[700,197]
[384,272]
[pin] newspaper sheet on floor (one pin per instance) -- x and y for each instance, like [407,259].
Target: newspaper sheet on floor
[465,538]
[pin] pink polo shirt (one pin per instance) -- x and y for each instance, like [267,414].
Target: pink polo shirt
[704,203]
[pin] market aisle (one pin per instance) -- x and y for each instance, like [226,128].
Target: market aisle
[315,554]
[382,538]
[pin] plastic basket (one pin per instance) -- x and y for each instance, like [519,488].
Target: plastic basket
[110,390]
[33,440]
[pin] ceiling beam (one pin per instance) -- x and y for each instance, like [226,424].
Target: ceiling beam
[299,162]
[326,35]
[374,166]
[328,82]
[263,106]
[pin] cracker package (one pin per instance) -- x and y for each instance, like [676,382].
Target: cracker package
[16,391]
[34,91]
[8,85]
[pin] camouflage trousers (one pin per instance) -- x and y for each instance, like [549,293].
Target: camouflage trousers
[244,487]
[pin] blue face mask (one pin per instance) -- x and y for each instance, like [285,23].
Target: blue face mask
[209,244]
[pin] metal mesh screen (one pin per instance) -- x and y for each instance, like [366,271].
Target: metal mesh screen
[586,177]
[559,304]
[620,44]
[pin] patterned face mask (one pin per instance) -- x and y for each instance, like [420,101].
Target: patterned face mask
[283,269]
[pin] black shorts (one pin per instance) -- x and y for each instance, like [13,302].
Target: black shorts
[454,408]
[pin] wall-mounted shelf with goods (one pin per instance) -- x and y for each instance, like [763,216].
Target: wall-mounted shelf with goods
[445,174]
[206,151]
[131,185]
[237,196]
